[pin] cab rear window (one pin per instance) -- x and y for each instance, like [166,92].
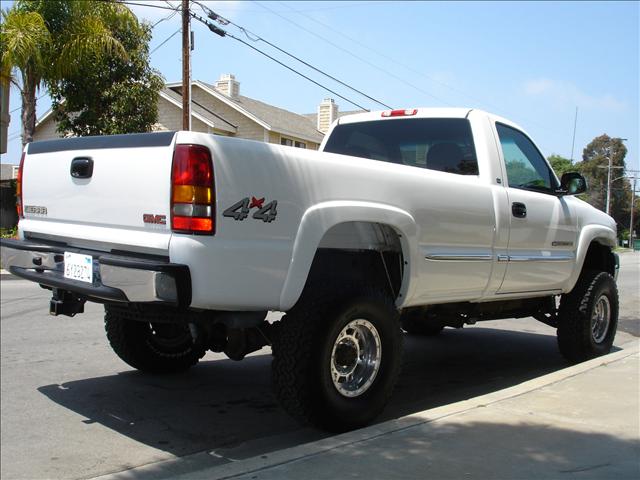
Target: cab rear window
[443,144]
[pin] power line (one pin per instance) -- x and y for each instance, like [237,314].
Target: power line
[216,17]
[342,5]
[386,71]
[387,57]
[166,40]
[20,107]
[168,17]
[150,5]
[411,69]
[222,33]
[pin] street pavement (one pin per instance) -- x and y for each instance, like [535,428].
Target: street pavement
[541,429]
[71,409]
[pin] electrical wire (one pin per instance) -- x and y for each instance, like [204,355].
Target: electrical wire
[257,38]
[20,107]
[222,33]
[409,68]
[166,40]
[386,57]
[176,9]
[348,52]
[168,17]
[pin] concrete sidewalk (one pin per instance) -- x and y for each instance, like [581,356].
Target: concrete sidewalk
[580,422]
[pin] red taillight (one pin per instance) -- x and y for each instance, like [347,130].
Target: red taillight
[399,113]
[192,194]
[19,188]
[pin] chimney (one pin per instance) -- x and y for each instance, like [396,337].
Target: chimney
[327,113]
[228,85]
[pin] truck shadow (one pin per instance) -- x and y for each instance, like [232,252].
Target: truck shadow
[222,405]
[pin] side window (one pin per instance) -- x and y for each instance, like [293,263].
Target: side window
[526,167]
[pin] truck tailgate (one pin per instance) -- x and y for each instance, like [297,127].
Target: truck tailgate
[124,203]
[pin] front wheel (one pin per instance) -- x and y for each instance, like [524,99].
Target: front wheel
[337,359]
[588,317]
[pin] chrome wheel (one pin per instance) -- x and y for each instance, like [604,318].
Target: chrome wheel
[355,358]
[600,319]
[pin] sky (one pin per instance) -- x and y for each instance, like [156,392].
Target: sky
[531,62]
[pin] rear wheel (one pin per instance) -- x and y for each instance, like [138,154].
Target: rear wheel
[337,359]
[155,347]
[588,317]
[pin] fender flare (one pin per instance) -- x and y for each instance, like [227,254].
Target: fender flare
[317,220]
[601,234]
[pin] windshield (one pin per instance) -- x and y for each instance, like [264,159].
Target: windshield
[443,144]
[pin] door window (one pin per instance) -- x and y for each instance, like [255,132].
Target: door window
[526,167]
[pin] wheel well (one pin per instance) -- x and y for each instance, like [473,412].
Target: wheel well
[357,252]
[599,257]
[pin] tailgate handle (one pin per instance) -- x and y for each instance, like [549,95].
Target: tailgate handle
[81,167]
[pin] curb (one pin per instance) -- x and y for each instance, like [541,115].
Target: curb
[7,275]
[255,464]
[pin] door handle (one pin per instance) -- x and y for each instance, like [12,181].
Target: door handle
[81,167]
[519,210]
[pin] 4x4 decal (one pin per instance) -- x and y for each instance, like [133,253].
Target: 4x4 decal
[240,210]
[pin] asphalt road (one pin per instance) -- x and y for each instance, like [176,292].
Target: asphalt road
[71,409]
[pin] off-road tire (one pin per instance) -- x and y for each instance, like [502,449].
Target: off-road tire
[148,346]
[576,316]
[415,324]
[301,368]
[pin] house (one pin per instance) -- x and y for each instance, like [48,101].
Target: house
[220,109]
[8,214]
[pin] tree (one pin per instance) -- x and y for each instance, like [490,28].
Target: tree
[112,94]
[595,160]
[45,40]
[561,165]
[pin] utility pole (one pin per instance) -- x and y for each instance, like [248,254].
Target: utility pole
[610,158]
[186,66]
[609,183]
[573,142]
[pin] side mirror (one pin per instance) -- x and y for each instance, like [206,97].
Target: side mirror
[572,183]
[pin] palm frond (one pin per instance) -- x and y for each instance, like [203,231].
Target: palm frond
[25,40]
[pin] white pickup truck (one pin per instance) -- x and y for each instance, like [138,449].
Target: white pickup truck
[406,219]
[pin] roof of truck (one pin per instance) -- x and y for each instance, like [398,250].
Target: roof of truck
[423,112]
[419,113]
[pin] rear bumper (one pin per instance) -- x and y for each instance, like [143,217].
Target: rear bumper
[116,278]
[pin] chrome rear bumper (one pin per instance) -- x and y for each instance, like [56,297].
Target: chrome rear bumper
[116,278]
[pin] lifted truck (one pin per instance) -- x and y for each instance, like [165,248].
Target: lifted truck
[406,219]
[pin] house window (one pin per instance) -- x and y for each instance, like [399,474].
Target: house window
[291,143]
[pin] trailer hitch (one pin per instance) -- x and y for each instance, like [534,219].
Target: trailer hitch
[64,302]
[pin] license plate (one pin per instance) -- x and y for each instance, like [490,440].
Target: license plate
[78,267]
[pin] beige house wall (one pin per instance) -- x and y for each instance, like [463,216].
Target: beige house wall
[46,130]
[247,128]
[275,137]
[170,118]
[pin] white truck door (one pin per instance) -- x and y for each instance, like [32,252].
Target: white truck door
[543,228]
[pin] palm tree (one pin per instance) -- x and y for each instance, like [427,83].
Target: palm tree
[44,40]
